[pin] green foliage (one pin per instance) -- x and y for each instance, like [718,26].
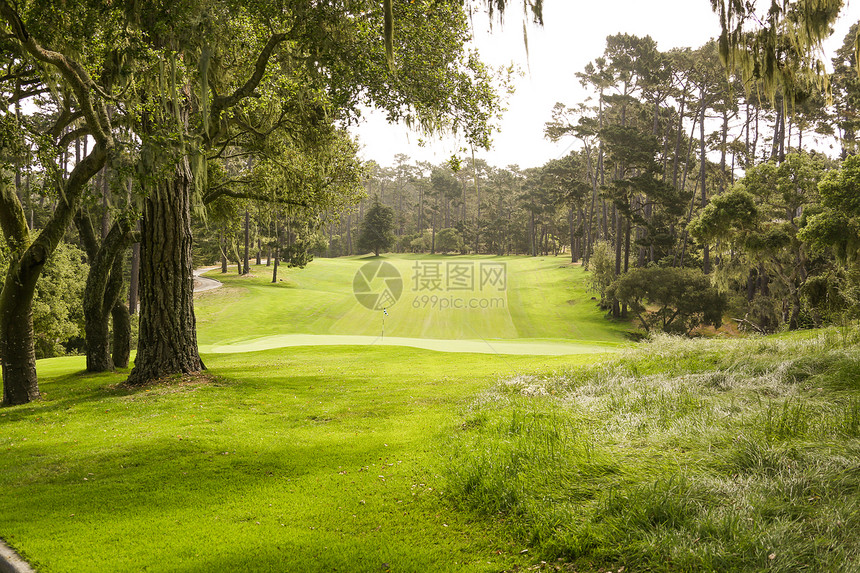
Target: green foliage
[449,240]
[780,50]
[422,242]
[377,229]
[602,270]
[833,297]
[675,300]
[57,310]
[758,228]
[726,216]
[837,225]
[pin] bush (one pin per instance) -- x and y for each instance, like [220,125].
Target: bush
[448,241]
[58,314]
[678,300]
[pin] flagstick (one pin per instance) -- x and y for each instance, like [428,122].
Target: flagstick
[383,323]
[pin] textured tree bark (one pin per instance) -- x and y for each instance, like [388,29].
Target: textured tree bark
[17,350]
[121,347]
[97,332]
[167,342]
[103,288]
[121,335]
[17,353]
[134,281]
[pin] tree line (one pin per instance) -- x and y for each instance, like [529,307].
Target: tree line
[678,166]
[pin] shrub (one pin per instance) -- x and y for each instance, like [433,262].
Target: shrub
[671,299]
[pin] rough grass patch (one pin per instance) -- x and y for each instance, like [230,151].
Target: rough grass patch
[716,455]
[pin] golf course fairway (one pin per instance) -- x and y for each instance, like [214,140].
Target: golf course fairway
[489,305]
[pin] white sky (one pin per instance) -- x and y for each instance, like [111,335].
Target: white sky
[574,34]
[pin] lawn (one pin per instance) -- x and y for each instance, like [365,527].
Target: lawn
[670,455]
[542,306]
[303,459]
[310,458]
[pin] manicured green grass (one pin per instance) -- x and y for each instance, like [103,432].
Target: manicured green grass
[301,459]
[544,301]
[681,455]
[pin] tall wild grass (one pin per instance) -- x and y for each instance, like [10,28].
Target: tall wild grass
[678,455]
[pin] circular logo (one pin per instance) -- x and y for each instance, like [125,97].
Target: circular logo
[377,285]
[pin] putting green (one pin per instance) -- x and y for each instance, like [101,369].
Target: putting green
[533,347]
[487,304]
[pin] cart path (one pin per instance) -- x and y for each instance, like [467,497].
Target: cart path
[202,284]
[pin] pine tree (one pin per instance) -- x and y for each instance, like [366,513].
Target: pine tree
[377,229]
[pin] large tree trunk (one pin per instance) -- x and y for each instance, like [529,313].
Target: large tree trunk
[134,280]
[17,350]
[168,335]
[97,332]
[102,291]
[121,335]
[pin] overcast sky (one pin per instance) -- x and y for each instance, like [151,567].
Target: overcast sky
[574,33]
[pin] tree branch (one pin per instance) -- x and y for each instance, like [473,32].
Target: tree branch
[225,192]
[220,103]
[71,70]
[13,220]
[67,139]
[87,234]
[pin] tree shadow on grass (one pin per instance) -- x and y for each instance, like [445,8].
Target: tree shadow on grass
[165,489]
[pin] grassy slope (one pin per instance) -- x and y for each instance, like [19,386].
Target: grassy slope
[678,456]
[545,300]
[296,460]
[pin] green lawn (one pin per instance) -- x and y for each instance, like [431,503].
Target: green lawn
[543,301]
[303,459]
[310,458]
[673,455]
